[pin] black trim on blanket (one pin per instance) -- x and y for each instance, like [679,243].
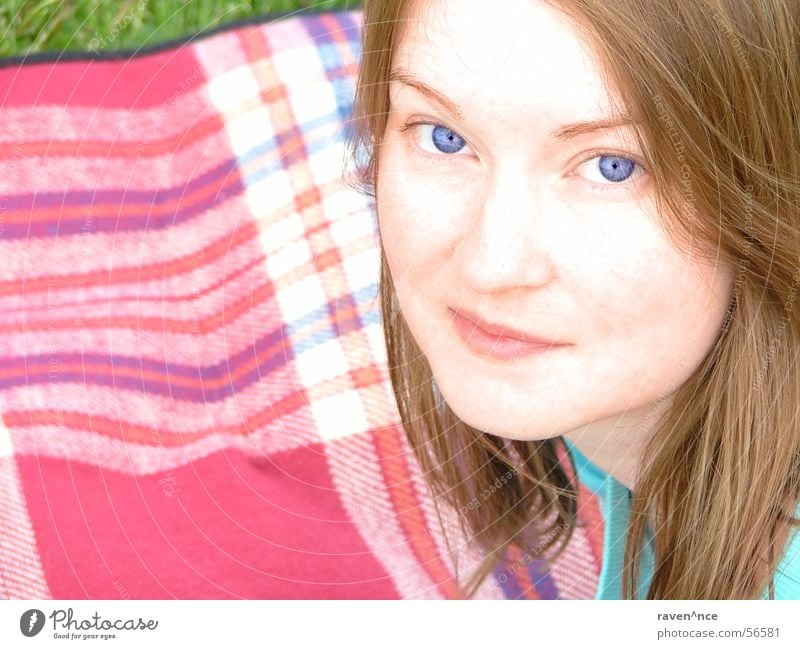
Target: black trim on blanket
[129,53]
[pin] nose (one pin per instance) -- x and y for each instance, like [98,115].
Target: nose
[504,244]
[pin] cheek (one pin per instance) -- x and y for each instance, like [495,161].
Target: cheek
[659,313]
[632,278]
[419,216]
[395,216]
[617,269]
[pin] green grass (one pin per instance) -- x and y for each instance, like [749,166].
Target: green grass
[29,26]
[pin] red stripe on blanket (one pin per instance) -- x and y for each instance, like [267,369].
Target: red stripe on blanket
[144,148]
[226,526]
[126,298]
[137,274]
[397,476]
[517,563]
[129,208]
[140,434]
[269,355]
[138,83]
[211,323]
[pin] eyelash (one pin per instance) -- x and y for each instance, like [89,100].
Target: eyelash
[430,158]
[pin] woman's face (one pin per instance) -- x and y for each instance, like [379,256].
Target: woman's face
[515,206]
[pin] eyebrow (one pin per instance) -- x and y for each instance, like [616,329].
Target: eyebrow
[561,134]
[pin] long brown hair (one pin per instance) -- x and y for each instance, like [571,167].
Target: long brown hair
[715,87]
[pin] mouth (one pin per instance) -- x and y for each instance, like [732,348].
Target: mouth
[497,341]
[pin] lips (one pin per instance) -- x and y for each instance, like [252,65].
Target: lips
[502,331]
[508,345]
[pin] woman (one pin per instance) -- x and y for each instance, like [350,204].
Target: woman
[589,217]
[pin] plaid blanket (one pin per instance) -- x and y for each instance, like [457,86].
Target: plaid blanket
[194,397]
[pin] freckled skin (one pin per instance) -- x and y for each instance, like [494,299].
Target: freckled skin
[509,227]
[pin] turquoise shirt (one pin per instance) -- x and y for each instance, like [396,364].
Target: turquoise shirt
[614,500]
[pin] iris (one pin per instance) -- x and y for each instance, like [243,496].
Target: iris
[447,141]
[616,168]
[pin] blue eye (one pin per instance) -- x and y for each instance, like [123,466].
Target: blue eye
[616,168]
[609,169]
[442,139]
[447,141]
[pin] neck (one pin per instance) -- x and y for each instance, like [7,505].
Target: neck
[615,444]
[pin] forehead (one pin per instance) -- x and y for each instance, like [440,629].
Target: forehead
[516,55]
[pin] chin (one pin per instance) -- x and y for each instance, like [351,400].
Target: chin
[513,430]
[523,435]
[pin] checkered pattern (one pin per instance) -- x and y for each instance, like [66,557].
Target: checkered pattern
[194,394]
